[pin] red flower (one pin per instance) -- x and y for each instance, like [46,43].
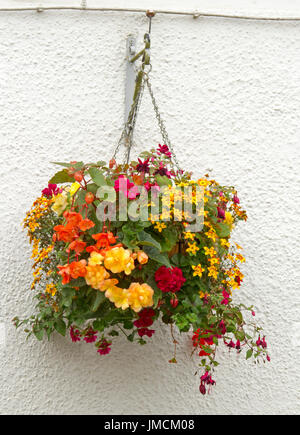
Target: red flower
[103,346]
[90,336]
[164,149]
[145,318]
[145,331]
[51,190]
[74,334]
[169,279]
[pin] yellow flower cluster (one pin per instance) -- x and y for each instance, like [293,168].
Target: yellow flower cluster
[119,260]
[39,209]
[51,289]
[137,297]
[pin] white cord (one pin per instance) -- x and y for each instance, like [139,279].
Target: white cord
[165,12]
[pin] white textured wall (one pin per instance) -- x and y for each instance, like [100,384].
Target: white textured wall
[230,92]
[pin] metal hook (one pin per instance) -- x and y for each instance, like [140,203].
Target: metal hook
[150,15]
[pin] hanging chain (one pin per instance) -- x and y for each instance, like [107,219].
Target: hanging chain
[160,121]
[142,78]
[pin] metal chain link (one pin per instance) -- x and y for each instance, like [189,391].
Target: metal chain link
[127,133]
[160,121]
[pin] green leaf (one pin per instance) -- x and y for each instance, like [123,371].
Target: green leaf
[39,334]
[60,177]
[163,180]
[99,297]
[60,327]
[97,177]
[147,240]
[249,354]
[66,165]
[157,256]
[98,325]
[223,230]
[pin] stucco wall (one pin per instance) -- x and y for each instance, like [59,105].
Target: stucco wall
[230,94]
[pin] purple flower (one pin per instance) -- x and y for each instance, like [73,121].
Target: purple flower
[143,166]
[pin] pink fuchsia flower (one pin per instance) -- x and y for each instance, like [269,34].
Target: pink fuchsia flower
[164,149]
[226,297]
[261,343]
[222,326]
[221,213]
[268,358]
[130,190]
[51,190]
[74,334]
[103,346]
[206,379]
[236,200]
[90,336]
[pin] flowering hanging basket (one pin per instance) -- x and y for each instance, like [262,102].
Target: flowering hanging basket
[118,247]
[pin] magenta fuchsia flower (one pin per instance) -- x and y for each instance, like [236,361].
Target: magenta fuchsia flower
[103,347]
[222,326]
[164,149]
[236,199]
[90,336]
[221,213]
[130,190]
[51,190]
[261,343]
[75,335]
[206,379]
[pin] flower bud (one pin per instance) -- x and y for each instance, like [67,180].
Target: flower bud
[142,257]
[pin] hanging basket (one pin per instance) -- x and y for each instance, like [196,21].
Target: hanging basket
[118,247]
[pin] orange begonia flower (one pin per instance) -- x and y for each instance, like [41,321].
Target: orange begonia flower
[77,246]
[65,233]
[104,240]
[86,224]
[73,218]
[78,269]
[64,271]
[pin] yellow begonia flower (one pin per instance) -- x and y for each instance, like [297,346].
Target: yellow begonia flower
[96,276]
[95,259]
[119,260]
[60,203]
[229,219]
[118,296]
[140,296]
[74,187]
